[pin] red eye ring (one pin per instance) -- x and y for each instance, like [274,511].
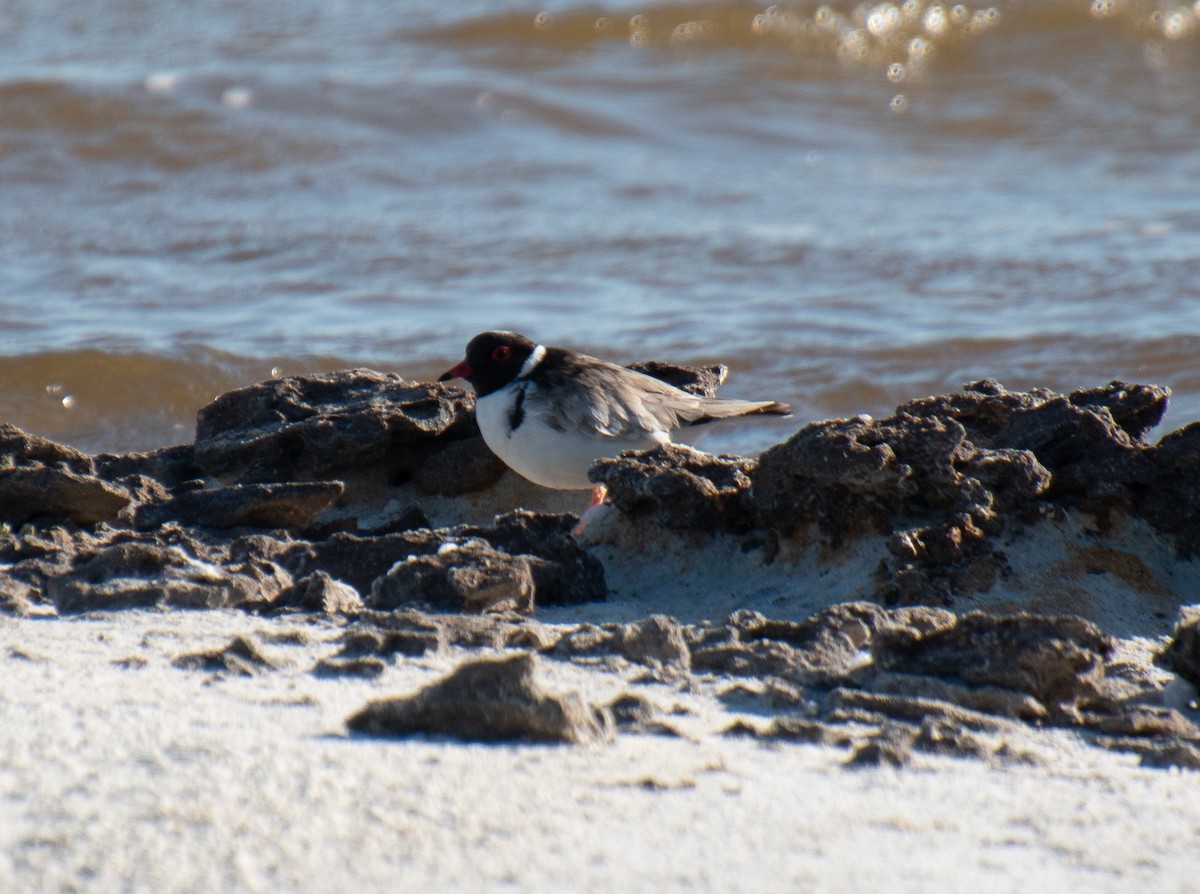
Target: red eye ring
[501,353]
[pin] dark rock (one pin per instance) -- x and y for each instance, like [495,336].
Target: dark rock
[1136,408]
[412,632]
[305,427]
[944,474]
[1171,501]
[1184,755]
[461,467]
[903,707]
[589,640]
[57,493]
[368,668]
[359,560]
[20,449]
[677,487]
[771,696]
[702,380]
[636,714]
[1091,459]
[984,699]
[240,656]
[1057,660]
[486,700]
[468,576]
[17,597]
[565,574]
[42,479]
[34,554]
[792,729]
[940,736]
[562,572]
[656,641]
[763,658]
[891,747]
[170,466]
[826,650]
[145,573]
[1182,653]
[291,506]
[1140,720]
[321,593]
[914,477]
[528,635]
[830,644]
[419,635]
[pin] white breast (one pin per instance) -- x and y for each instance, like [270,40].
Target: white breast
[545,455]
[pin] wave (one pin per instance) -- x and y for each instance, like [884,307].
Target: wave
[900,38]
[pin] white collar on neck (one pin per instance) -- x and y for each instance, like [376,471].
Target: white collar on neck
[531,362]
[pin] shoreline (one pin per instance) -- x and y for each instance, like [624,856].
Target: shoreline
[988,678]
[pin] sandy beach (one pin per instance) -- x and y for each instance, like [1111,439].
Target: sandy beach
[124,773]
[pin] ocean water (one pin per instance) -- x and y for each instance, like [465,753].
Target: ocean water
[849,204]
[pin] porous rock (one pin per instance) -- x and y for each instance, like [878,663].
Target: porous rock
[56,493]
[1172,754]
[793,729]
[657,641]
[304,427]
[40,479]
[942,736]
[367,668]
[17,597]
[678,487]
[562,573]
[1182,653]
[824,650]
[321,593]
[914,709]
[891,746]
[468,576]
[240,656]
[410,633]
[1057,660]
[633,713]
[291,506]
[1171,500]
[20,449]
[701,380]
[169,466]
[136,573]
[487,700]
[462,466]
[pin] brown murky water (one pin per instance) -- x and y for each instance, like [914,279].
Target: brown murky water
[851,205]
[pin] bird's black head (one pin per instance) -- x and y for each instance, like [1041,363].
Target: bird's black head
[493,360]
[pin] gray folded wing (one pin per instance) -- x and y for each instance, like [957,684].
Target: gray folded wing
[606,399]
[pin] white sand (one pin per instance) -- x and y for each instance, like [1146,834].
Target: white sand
[119,775]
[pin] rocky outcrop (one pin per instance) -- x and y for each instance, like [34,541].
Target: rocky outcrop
[487,700]
[305,427]
[267,512]
[942,478]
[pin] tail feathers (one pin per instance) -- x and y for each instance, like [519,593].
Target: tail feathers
[716,408]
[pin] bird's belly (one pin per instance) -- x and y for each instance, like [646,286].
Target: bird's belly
[544,455]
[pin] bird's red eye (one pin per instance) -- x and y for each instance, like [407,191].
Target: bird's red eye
[501,353]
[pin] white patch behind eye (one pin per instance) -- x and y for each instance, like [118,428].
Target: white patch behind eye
[531,362]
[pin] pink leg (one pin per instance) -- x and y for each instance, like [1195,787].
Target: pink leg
[599,492]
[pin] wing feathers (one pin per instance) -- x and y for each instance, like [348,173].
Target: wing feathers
[603,398]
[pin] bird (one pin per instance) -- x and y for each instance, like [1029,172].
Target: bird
[549,413]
